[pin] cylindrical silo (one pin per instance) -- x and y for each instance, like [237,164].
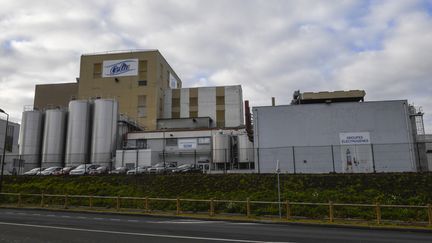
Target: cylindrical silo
[245,149]
[221,148]
[78,133]
[104,132]
[31,138]
[53,138]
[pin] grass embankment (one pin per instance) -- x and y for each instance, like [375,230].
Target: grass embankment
[403,188]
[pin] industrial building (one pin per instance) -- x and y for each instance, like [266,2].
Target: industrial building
[10,143]
[136,79]
[120,92]
[336,132]
[223,104]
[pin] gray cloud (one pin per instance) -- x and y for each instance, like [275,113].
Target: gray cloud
[270,47]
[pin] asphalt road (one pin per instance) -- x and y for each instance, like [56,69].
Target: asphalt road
[22,225]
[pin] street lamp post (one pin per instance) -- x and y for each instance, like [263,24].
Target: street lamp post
[4,149]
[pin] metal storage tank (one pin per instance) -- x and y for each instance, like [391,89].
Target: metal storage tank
[221,148]
[245,149]
[104,132]
[53,138]
[31,138]
[78,133]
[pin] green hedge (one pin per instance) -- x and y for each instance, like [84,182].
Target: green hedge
[394,188]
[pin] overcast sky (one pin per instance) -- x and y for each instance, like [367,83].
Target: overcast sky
[271,48]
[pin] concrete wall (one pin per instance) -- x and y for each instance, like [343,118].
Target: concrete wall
[207,102]
[314,129]
[233,106]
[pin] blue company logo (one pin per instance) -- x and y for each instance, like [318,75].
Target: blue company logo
[119,68]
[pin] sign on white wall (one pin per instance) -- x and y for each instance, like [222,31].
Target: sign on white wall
[356,152]
[187,143]
[119,68]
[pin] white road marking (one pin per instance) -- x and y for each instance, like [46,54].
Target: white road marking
[114,219]
[65,216]
[50,215]
[98,218]
[133,220]
[81,217]
[131,233]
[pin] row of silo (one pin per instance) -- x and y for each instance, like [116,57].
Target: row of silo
[223,144]
[86,133]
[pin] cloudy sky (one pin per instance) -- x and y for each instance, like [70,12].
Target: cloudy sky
[270,47]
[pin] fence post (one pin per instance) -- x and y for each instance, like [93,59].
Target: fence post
[248,207]
[91,201]
[42,200]
[333,160]
[118,203]
[430,214]
[146,204]
[373,158]
[66,201]
[378,213]
[19,200]
[178,206]
[331,213]
[211,207]
[288,210]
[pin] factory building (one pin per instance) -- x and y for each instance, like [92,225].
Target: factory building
[136,79]
[120,92]
[10,143]
[223,104]
[336,132]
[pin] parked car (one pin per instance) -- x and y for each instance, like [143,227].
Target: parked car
[64,171]
[187,168]
[99,170]
[138,170]
[83,169]
[161,168]
[119,170]
[50,170]
[34,171]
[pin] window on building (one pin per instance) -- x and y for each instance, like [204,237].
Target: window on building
[142,82]
[171,142]
[161,71]
[141,143]
[204,140]
[193,114]
[142,69]
[97,70]
[142,106]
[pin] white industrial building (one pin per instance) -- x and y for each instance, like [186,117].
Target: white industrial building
[223,104]
[335,132]
[214,150]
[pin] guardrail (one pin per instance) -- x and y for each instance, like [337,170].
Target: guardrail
[212,207]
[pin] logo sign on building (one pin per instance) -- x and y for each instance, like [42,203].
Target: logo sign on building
[187,143]
[120,68]
[356,152]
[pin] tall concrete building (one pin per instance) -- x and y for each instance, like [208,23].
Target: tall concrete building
[222,104]
[136,79]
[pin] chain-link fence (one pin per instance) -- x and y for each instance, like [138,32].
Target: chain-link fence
[365,158]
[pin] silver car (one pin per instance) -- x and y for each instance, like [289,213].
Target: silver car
[50,170]
[83,169]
